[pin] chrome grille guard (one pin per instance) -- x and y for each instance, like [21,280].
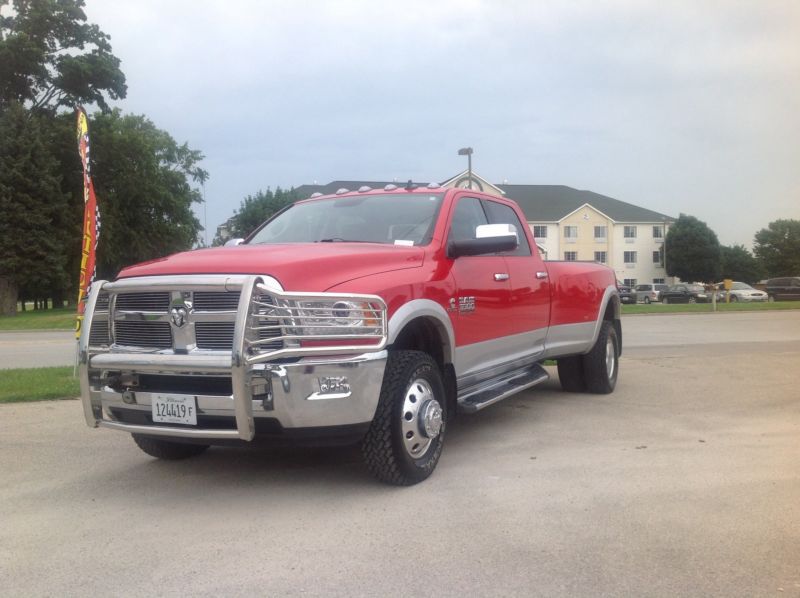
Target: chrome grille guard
[357,325]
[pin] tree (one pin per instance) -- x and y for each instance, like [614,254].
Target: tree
[33,206]
[145,184]
[254,210]
[739,264]
[51,57]
[692,250]
[777,247]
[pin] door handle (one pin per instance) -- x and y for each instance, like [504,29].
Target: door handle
[501,276]
[541,275]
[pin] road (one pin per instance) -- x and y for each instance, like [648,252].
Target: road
[37,349]
[684,482]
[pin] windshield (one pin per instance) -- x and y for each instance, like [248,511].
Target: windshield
[394,219]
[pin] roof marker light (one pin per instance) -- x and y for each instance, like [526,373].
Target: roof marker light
[342,190]
[364,189]
[317,194]
[390,187]
[433,185]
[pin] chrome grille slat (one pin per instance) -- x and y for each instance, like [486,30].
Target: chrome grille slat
[152,302]
[98,335]
[215,301]
[156,335]
[214,335]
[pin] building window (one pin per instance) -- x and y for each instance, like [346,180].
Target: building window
[540,231]
[599,233]
[570,232]
[630,234]
[657,257]
[658,232]
[630,257]
[658,281]
[570,256]
[600,257]
[629,282]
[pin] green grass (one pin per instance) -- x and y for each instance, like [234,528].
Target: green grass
[37,384]
[62,318]
[658,308]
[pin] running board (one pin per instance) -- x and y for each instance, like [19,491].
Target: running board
[531,376]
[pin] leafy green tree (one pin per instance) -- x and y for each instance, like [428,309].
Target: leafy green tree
[692,250]
[51,57]
[33,208]
[254,210]
[777,247]
[145,184]
[739,264]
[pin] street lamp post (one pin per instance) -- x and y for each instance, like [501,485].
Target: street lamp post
[467,151]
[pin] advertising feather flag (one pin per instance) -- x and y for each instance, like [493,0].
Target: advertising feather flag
[91,220]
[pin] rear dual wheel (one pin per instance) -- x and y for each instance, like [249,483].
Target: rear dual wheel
[597,371]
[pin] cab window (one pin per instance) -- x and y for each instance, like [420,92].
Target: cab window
[502,214]
[467,217]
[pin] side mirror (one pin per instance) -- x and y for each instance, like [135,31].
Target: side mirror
[490,238]
[233,242]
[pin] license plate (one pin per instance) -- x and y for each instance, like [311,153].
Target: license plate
[175,409]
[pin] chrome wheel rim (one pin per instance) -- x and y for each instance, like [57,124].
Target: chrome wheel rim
[611,358]
[421,418]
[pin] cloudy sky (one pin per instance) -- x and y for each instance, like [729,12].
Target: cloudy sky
[689,107]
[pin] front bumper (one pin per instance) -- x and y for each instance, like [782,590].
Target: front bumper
[296,391]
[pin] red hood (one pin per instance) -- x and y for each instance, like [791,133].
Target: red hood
[310,267]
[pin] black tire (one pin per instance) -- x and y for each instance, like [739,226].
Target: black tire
[734,298]
[647,300]
[570,374]
[665,301]
[385,445]
[601,364]
[164,449]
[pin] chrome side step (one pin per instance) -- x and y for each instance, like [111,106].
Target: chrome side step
[530,376]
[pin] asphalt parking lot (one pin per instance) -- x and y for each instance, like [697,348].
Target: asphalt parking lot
[684,482]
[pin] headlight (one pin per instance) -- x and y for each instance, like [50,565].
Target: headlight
[334,318]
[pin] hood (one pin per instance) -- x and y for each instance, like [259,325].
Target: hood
[312,267]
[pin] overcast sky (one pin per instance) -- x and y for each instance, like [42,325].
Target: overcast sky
[677,107]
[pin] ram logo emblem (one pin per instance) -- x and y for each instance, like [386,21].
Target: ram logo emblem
[179,314]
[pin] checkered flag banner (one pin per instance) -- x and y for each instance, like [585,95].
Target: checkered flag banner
[91,220]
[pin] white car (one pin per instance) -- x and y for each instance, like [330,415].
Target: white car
[741,291]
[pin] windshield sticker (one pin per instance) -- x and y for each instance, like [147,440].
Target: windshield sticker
[404,242]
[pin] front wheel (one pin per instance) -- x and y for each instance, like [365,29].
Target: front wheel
[404,441]
[734,298]
[601,364]
[647,300]
[692,299]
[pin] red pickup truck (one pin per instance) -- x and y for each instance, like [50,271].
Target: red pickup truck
[369,316]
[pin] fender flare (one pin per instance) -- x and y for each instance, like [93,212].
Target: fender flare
[424,308]
[611,294]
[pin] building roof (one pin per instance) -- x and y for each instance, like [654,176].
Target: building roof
[539,203]
[551,203]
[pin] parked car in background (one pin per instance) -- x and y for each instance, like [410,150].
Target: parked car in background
[649,292]
[626,293]
[685,293]
[740,291]
[786,288]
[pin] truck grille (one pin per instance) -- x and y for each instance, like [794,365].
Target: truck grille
[212,332]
